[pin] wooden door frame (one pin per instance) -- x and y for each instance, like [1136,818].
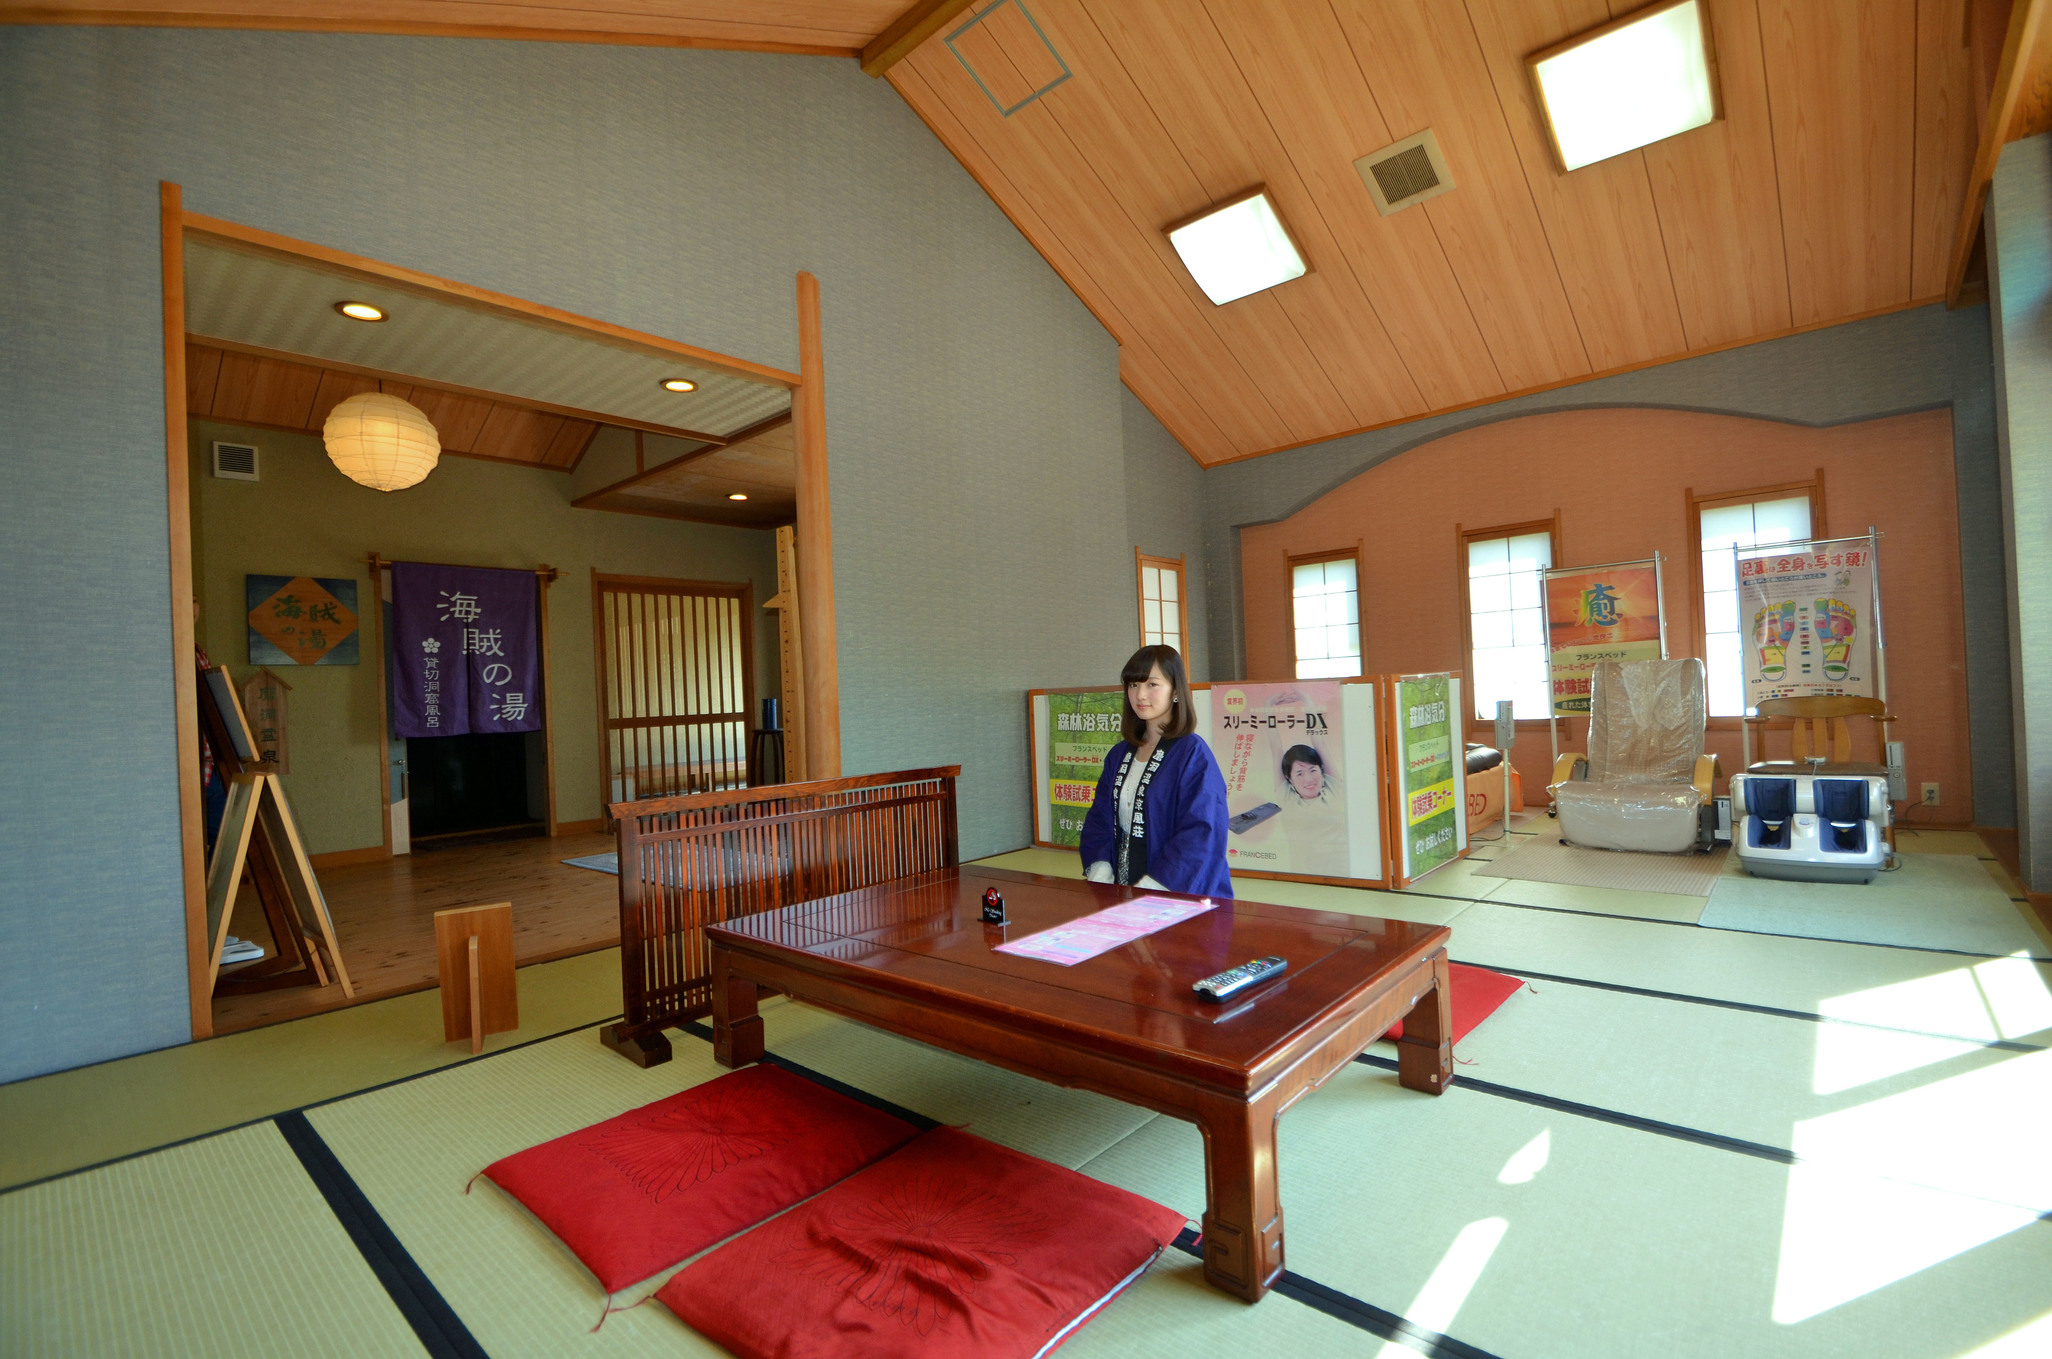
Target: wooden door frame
[814,522]
[742,591]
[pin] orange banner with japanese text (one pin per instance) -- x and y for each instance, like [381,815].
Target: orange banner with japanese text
[1596,614]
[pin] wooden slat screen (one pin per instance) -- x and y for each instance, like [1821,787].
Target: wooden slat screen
[689,862]
[676,678]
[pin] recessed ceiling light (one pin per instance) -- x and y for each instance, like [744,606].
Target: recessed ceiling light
[360,311]
[1630,83]
[679,385]
[738,495]
[1238,247]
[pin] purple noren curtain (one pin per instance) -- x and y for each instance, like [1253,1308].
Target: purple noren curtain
[465,654]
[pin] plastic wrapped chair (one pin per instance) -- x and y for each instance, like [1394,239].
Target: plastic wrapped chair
[1645,783]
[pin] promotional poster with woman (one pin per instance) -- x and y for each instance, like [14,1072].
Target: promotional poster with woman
[1278,746]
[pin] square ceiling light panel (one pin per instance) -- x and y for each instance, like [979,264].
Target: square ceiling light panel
[1632,82]
[1237,247]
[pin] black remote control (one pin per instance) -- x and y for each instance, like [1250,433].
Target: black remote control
[1234,980]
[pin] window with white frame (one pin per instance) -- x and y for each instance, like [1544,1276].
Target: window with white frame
[1163,612]
[1325,604]
[1729,532]
[1507,621]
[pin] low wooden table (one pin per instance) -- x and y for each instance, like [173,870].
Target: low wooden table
[913,957]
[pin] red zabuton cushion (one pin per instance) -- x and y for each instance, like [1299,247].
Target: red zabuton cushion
[635,1194]
[953,1246]
[1474,993]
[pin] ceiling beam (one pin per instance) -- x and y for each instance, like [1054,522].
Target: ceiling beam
[734,440]
[2012,78]
[907,31]
[252,240]
[383,375]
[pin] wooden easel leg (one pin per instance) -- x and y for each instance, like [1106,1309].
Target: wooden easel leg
[313,958]
[476,1002]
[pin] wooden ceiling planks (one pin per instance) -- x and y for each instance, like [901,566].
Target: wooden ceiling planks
[274,393]
[1185,70]
[1044,171]
[1311,92]
[1109,122]
[1600,221]
[1426,69]
[1841,81]
[1824,192]
[1947,131]
[1720,210]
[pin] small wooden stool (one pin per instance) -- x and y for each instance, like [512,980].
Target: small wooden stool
[474,955]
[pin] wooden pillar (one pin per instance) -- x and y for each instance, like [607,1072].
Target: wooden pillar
[184,672]
[815,546]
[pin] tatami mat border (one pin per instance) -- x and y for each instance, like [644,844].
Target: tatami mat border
[441,1332]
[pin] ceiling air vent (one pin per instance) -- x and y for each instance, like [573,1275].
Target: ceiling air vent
[237,462]
[1411,171]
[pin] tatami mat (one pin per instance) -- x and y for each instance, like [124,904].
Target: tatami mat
[220,1248]
[1939,901]
[1543,858]
[1554,896]
[92,1114]
[1945,1113]
[412,1147]
[1907,989]
[1530,1232]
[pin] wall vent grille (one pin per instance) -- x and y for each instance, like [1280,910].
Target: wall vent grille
[236,462]
[1409,172]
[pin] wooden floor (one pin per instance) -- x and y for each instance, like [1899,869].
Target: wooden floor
[384,918]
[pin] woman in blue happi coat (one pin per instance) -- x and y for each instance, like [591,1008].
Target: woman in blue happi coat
[1159,819]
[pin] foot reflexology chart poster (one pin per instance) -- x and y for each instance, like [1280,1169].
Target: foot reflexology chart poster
[1594,614]
[1808,618]
[1082,729]
[1279,747]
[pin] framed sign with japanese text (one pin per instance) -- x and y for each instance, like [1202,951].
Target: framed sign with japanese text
[301,620]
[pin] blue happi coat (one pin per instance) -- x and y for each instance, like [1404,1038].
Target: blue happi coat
[1185,818]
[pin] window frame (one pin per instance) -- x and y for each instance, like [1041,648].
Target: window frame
[1813,488]
[1143,560]
[1293,560]
[1464,536]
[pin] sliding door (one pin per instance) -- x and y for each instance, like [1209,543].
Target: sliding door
[676,673]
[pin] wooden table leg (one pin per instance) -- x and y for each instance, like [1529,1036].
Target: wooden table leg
[1243,1226]
[737,1028]
[1425,1052]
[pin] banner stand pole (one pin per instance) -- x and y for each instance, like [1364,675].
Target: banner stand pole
[1880,633]
[1660,603]
[1745,727]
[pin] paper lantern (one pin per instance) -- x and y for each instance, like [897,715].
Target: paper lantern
[381,442]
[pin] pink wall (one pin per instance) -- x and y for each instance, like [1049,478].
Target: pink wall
[1620,479]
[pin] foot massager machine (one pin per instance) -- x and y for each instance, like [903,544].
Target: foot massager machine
[1813,827]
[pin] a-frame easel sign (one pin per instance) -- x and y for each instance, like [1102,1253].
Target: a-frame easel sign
[259,835]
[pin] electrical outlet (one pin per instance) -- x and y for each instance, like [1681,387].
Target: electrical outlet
[1930,795]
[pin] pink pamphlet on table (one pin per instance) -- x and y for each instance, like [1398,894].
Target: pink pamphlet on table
[1105,930]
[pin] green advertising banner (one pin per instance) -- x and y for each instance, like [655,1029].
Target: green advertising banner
[1082,729]
[1425,753]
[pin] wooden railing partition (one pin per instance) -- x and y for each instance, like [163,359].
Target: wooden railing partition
[689,862]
